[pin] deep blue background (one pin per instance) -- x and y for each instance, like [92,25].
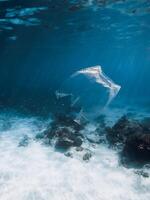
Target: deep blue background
[37,62]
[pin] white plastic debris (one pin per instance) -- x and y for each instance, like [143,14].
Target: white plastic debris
[90,89]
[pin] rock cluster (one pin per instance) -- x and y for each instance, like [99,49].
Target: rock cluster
[133,138]
[122,130]
[65,131]
[67,138]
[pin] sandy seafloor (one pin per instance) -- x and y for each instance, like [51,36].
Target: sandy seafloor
[38,172]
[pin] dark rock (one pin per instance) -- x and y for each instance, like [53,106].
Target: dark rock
[142,173]
[137,149]
[122,130]
[65,131]
[79,148]
[66,139]
[48,133]
[63,120]
[87,156]
[40,136]
[65,123]
[133,139]
[69,154]
[96,138]
[147,166]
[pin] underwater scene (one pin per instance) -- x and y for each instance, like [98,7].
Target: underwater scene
[75,99]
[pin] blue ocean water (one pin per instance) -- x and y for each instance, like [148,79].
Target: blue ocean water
[44,46]
[44,42]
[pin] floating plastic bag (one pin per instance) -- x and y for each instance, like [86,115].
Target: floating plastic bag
[90,90]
